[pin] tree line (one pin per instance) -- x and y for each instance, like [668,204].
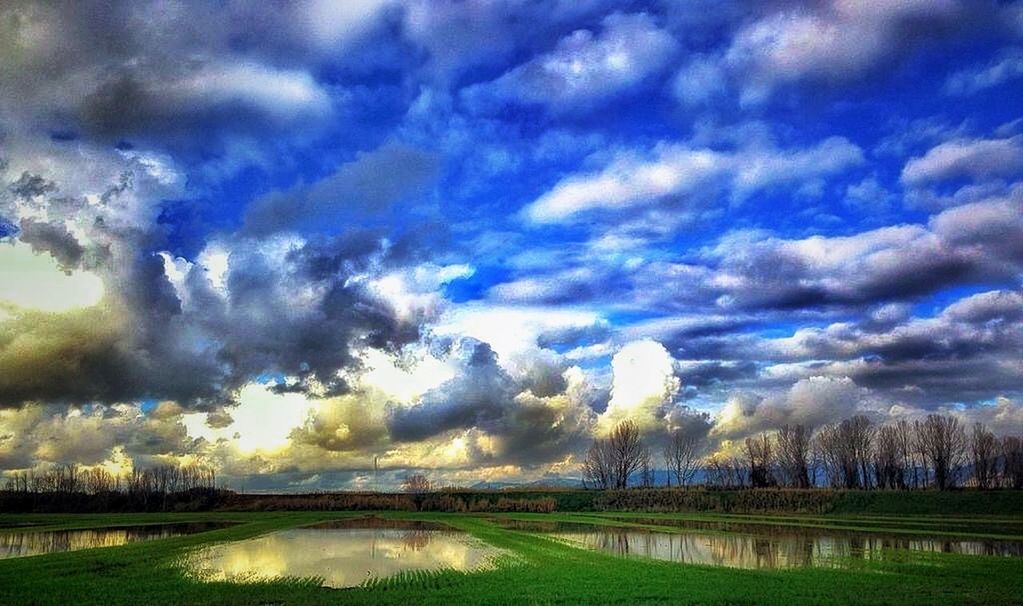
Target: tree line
[934,452]
[71,488]
[74,479]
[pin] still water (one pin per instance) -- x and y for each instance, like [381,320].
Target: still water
[789,547]
[20,543]
[343,554]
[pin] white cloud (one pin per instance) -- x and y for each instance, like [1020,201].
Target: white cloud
[584,68]
[839,40]
[973,158]
[673,169]
[1008,66]
[643,383]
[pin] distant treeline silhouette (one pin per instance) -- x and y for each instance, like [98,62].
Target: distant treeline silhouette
[855,454]
[72,488]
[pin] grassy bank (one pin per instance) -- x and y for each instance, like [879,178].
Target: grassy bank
[698,499]
[540,570]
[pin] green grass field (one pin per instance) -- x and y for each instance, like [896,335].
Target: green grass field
[538,571]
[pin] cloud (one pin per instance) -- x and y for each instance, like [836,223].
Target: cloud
[643,385]
[171,327]
[813,401]
[529,419]
[1006,67]
[977,159]
[693,175]
[584,69]
[838,40]
[132,70]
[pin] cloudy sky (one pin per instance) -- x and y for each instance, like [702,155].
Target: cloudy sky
[292,239]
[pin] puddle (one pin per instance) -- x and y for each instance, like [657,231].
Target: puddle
[344,553]
[16,544]
[772,548]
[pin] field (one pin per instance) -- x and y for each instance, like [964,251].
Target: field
[535,569]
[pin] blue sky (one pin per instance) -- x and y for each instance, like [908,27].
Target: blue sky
[466,237]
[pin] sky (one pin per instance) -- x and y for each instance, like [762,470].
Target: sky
[300,241]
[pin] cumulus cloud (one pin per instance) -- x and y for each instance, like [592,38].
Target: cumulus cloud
[584,68]
[836,40]
[693,175]
[812,401]
[975,159]
[503,418]
[643,384]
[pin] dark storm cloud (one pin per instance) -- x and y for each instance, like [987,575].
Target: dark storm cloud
[126,68]
[195,345]
[525,421]
[53,239]
[478,397]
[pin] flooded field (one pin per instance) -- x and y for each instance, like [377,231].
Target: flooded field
[753,546]
[20,543]
[344,553]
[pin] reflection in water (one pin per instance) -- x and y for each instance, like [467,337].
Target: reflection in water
[26,543]
[342,557]
[795,547]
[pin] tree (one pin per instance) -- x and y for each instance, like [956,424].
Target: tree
[794,455]
[416,483]
[626,451]
[597,466]
[984,456]
[760,461]
[1012,462]
[859,432]
[646,470]
[943,442]
[680,457]
[904,436]
[889,458]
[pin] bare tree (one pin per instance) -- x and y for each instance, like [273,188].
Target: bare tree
[760,460]
[1012,462]
[943,441]
[889,458]
[646,470]
[597,466]
[416,483]
[794,455]
[680,457]
[984,456]
[905,439]
[626,451]
[859,432]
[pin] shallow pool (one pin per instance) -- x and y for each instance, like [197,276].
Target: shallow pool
[344,553]
[761,548]
[18,543]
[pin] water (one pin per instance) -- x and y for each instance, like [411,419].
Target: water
[343,554]
[757,548]
[20,543]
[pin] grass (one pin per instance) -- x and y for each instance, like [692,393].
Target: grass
[539,571]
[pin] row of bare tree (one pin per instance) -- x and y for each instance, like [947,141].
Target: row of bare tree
[936,451]
[73,479]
